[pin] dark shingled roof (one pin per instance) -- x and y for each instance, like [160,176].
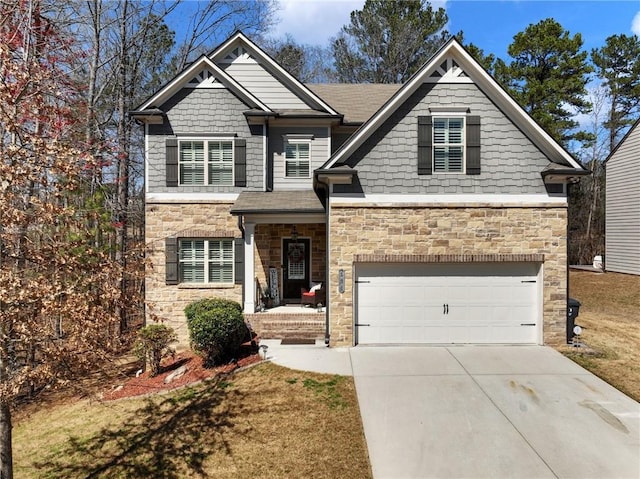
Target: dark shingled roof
[357,102]
[277,202]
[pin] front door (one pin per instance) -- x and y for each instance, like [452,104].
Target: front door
[296,267]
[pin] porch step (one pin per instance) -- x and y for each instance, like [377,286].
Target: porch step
[287,325]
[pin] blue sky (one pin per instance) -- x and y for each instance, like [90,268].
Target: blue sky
[490,25]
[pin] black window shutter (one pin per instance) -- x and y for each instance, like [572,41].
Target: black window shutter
[171,145]
[425,151]
[171,252]
[238,258]
[473,145]
[240,162]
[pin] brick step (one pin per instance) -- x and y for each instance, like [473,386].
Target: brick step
[281,326]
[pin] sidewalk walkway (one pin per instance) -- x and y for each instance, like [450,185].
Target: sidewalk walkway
[315,358]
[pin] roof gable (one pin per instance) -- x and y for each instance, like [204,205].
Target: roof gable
[634,130]
[238,49]
[453,64]
[203,73]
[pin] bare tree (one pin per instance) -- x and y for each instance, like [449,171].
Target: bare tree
[56,294]
[586,228]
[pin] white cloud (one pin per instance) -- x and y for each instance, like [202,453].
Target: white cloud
[635,24]
[314,22]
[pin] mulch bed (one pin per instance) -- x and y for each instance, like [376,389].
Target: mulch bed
[195,372]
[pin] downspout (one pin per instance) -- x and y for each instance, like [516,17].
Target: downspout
[241,225]
[567,333]
[327,334]
[325,187]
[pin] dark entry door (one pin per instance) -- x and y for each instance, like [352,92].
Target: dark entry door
[296,266]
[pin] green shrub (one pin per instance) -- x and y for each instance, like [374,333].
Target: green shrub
[216,328]
[152,345]
[208,304]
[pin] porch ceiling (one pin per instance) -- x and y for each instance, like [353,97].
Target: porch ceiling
[277,203]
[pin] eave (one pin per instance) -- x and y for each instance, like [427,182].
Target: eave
[556,173]
[152,116]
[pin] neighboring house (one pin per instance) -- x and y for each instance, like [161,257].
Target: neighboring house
[622,215]
[432,212]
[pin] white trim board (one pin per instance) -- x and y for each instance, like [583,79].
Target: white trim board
[190,197]
[479,199]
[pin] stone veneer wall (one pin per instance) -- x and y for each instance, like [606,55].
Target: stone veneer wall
[164,302]
[479,230]
[268,242]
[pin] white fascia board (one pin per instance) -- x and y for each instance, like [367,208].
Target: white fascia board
[337,199]
[284,74]
[190,197]
[481,78]
[178,83]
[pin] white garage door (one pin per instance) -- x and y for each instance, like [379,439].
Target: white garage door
[448,303]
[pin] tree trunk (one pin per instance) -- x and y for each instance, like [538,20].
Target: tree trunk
[122,183]
[6,450]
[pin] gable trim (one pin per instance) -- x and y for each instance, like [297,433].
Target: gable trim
[183,78]
[514,112]
[635,125]
[289,80]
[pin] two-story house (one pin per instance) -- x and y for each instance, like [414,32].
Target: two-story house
[431,212]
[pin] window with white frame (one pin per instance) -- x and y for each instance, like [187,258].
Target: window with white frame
[297,159]
[448,144]
[213,168]
[206,260]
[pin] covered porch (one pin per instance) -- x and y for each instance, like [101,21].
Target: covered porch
[284,255]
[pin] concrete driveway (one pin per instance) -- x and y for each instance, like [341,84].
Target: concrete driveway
[492,412]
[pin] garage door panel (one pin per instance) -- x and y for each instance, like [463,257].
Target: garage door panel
[447,303]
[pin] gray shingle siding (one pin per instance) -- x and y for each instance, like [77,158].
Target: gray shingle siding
[319,154]
[387,161]
[193,112]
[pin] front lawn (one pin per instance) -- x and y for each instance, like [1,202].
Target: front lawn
[266,421]
[610,317]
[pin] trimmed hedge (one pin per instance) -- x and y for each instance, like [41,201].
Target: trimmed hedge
[216,328]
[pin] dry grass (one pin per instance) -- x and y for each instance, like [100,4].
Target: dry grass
[610,317]
[267,421]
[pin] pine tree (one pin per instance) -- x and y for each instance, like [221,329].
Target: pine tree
[618,65]
[386,42]
[548,77]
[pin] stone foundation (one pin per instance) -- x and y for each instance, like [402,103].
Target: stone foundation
[166,303]
[449,234]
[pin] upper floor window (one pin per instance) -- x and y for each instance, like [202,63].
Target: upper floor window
[206,260]
[297,159]
[206,162]
[448,145]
